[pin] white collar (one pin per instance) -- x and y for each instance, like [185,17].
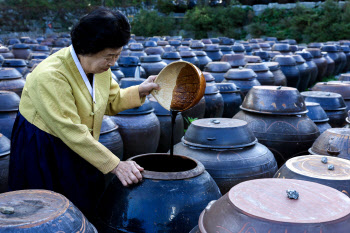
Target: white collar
[83,75]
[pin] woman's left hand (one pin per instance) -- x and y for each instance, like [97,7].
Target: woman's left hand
[147,86]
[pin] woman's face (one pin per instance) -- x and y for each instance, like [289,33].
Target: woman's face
[101,61]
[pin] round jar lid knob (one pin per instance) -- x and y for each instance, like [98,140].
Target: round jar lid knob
[292,194]
[7,210]
[215,121]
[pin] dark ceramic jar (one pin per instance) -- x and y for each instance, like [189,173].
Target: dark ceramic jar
[154,50]
[140,130]
[284,49]
[183,48]
[213,51]
[217,69]
[6,53]
[149,43]
[227,41]
[214,103]
[305,72]
[197,45]
[346,50]
[135,47]
[310,168]
[189,56]
[277,117]
[208,77]
[340,87]
[35,55]
[18,64]
[235,60]
[238,49]
[175,43]
[246,208]
[330,65]
[232,98]
[110,137]
[162,43]
[332,103]
[226,49]
[152,64]
[11,80]
[289,69]
[21,51]
[206,41]
[320,61]
[332,52]
[4,162]
[317,45]
[343,59]
[2,59]
[202,58]
[344,77]
[129,64]
[170,198]
[40,210]
[312,65]
[9,103]
[265,46]
[228,151]
[252,59]
[196,112]
[169,57]
[263,55]
[164,117]
[42,49]
[273,54]
[118,74]
[318,116]
[243,78]
[264,75]
[280,78]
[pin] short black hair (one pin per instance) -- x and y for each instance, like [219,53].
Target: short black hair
[100,29]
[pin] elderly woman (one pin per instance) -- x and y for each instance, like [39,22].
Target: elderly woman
[55,137]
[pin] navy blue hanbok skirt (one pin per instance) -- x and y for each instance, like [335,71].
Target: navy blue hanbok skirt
[39,160]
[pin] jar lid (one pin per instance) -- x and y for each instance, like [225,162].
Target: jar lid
[9,73]
[14,63]
[20,46]
[289,41]
[226,87]
[299,59]
[187,54]
[42,48]
[175,42]
[127,61]
[206,41]
[220,133]
[345,48]
[150,43]
[146,108]
[305,54]
[197,44]
[329,48]
[9,101]
[227,41]
[200,53]
[225,48]
[281,47]
[327,100]
[265,45]
[315,45]
[34,62]
[235,60]
[252,59]
[154,50]
[37,56]
[171,55]
[342,88]
[208,77]
[316,53]
[274,100]
[183,48]
[238,48]
[211,48]
[135,46]
[5,146]
[211,89]
[215,40]
[272,54]
[217,66]
[4,49]
[240,74]
[257,67]
[108,125]
[316,113]
[151,58]
[285,60]
[273,66]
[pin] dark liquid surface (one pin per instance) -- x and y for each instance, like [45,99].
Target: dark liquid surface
[173,118]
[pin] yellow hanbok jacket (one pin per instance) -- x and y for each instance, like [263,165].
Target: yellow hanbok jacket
[56,100]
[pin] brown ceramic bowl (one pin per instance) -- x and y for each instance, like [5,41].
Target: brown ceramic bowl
[167,78]
[274,100]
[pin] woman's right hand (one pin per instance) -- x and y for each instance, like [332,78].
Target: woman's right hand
[128,172]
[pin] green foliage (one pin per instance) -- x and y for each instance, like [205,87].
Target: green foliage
[150,23]
[326,23]
[228,21]
[189,120]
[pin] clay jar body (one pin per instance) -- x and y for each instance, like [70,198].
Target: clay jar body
[320,62]
[169,57]
[21,51]
[128,66]
[289,69]
[232,98]
[228,150]
[333,53]
[170,198]
[277,117]
[202,58]
[214,103]
[244,79]
[312,65]
[217,69]
[196,111]
[140,130]
[305,72]
[330,64]
[18,64]
[280,78]
[4,162]
[318,116]
[11,80]
[189,56]
[110,137]
[213,51]
[9,103]
[264,75]
[235,60]
[152,64]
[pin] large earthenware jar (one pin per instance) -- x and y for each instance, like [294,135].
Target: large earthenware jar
[189,56]
[129,64]
[202,58]
[40,211]
[238,49]
[330,64]
[154,50]
[214,103]
[164,117]
[9,103]
[18,64]
[21,51]
[333,142]
[318,116]
[243,78]
[280,78]
[118,74]
[320,62]
[140,130]
[196,112]
[263,55]
[4,162]
[343,59]
[197,45]
[228,150]
[346,50]
[152,64]
[169,57]
[315,168]
[235,60]
[110,137]
[277,117]
[232,98]
[263,205]
[284,49]
[226,49]
[312,65]
[333,104]
[213,51]
[289,68]
[264,75]
[252,59]
[5,52]
[305,72]
[217,69]
[170,198]
[333,53]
